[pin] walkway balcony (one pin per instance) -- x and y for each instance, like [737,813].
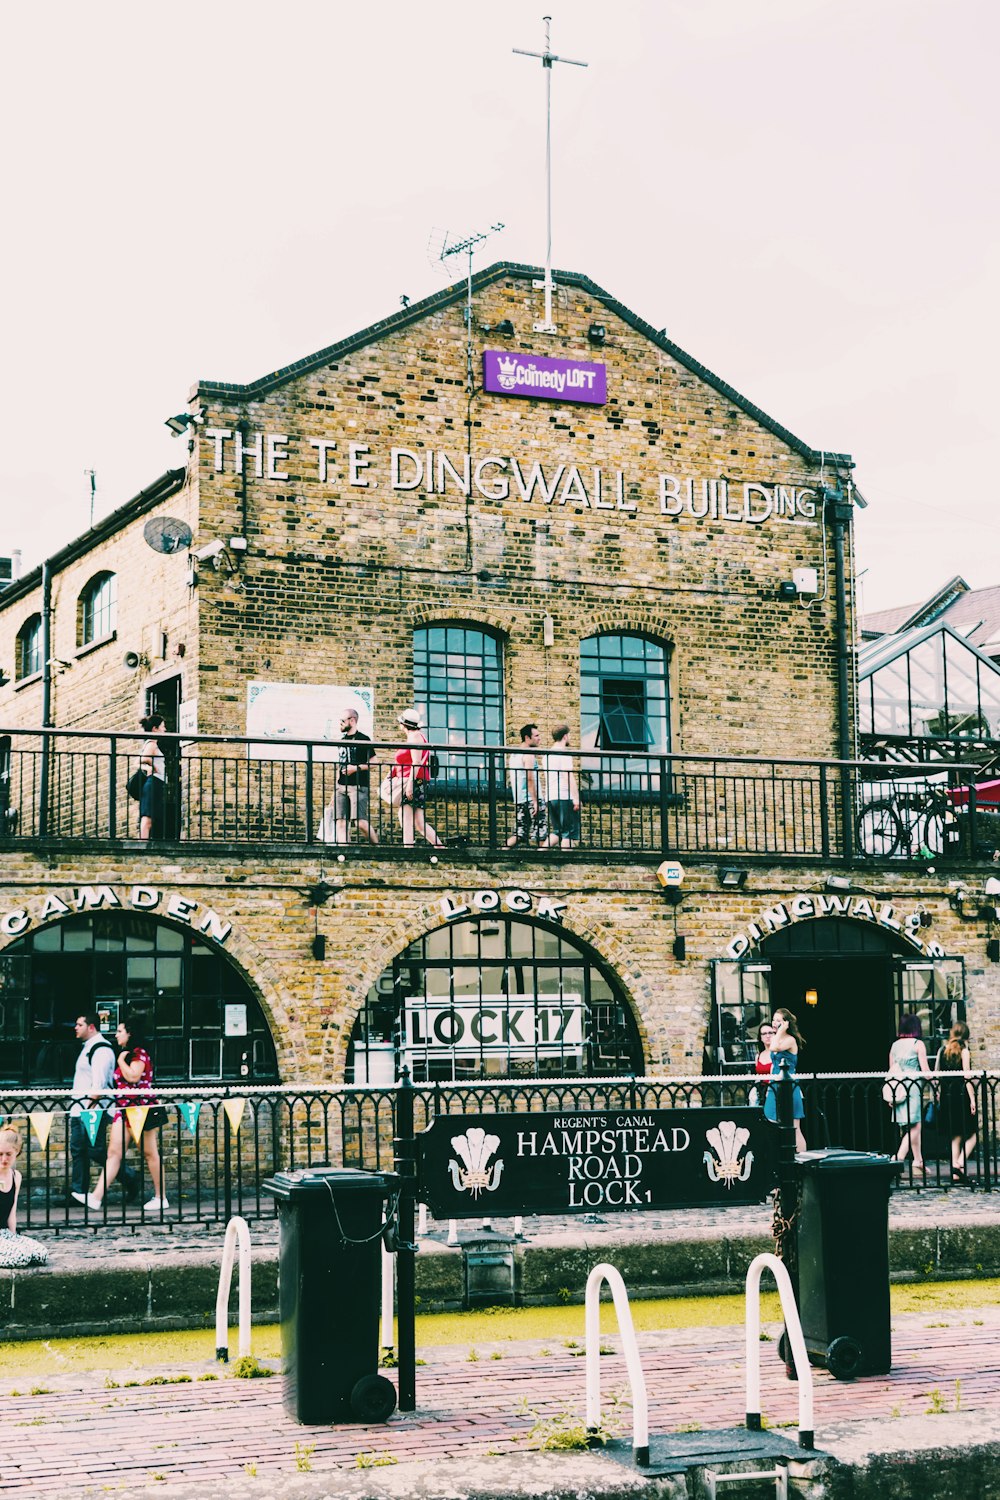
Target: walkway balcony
[59,787]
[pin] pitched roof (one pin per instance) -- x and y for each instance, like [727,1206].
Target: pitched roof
[406,316]
[973,613]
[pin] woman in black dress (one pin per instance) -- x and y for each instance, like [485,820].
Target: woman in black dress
[958,1098]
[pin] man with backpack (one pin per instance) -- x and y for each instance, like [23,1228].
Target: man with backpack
[92,1088]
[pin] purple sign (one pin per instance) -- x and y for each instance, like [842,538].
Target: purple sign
[544,379]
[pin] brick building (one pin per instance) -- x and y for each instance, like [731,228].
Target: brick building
[498,526]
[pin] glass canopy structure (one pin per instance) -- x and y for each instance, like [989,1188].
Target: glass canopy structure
[927,684]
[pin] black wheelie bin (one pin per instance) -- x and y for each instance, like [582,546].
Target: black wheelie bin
[843,1260]
[329,1286]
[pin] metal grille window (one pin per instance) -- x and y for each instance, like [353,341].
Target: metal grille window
[203,1020]
[624,706]
[493,999]
[29,647]
[98,608]
[457,679]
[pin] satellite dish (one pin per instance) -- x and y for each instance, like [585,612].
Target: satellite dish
[167,534]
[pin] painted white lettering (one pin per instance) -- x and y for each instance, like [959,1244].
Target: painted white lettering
[805,502]
[518,901]
[92,897]
[620,502]
[256,447]
[144,897]
[450,910]
[357,462]
[553,910]
[762,495]
[486,900]
[863,908]
[535,480]
[802,906]
[671,503]
[277,453]
[213,926]
[54,906]
[181,908]
[399,456]
[446,468]
[324,446]
[598,501]
[738,947]
[218,436]
[573,491]
[13,923]
[499,489]
[887,916]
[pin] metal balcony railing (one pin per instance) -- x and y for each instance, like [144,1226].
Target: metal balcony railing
[62,785]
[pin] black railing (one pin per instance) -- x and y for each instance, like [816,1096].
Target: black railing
[57,785]
[215,1159]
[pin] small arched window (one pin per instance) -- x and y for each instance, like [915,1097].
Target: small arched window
[98,608]
[29,647]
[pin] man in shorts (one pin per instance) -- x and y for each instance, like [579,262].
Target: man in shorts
[564,792]
[350,796]
[527,783]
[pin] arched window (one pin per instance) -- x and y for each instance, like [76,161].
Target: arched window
[203,1019]
[494,997]
[458,681]
[624,707]
[29,647]
[98,609]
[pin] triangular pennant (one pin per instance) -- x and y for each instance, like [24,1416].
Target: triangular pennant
[41,1124]
[136,1114]
[189,1114]
[90,1119]
[234,1111]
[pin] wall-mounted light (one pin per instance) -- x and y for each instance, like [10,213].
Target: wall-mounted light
[812,997]
[597,333]
[731,877]
[837,883]
[183,421]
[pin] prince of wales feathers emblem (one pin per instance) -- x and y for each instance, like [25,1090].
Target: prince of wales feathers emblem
[727,1140]
[475,1148]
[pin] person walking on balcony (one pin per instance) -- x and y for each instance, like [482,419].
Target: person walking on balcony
[350,797]
[133,1080]
[908,1063]
[958,1098]
[413,764]
[564,792]
[527,784]
[153,799]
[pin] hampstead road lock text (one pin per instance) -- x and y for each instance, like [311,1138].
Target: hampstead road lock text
[604,1155]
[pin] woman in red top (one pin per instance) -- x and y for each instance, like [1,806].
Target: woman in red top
[133,1081]
[413,765]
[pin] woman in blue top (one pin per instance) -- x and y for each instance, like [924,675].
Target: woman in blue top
[785,1043]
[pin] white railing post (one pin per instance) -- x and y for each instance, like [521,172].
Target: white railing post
[236,1229]
[793,1329]
[388,1288]
[640,1406]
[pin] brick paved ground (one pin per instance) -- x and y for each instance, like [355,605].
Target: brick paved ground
[83,1439]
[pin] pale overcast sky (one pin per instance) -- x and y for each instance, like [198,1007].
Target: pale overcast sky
[802,192]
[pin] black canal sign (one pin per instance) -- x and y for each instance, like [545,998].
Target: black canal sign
[471,1166]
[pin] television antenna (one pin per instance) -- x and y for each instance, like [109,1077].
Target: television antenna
[548,57]
[89,474]
[467,247]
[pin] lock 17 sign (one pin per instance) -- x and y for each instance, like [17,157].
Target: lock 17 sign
[470,1166]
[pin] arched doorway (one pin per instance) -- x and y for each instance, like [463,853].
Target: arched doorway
[848,982]
[494,997]
[203,1018]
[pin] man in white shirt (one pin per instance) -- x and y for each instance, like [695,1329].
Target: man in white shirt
[92,1087]
[527,785]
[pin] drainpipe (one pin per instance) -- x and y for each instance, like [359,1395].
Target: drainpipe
[43,775]
[841,510]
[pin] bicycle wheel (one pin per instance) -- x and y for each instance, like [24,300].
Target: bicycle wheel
[932,832]
[878,830]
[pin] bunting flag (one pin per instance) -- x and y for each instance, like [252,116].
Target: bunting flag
[136,1114]
[189,1114]
[90,1119]
[234,1111]
[41,1124]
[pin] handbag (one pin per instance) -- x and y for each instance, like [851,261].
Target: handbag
[930,1112]
[391,790]
[892,1094]
[135,784]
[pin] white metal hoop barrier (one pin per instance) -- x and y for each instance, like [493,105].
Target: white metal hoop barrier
[236,1229]
[640,1408]
[797,1344]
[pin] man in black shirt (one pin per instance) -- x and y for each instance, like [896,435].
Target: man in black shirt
[351,793]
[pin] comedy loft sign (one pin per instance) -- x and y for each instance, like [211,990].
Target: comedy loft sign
[804,908]
[496,476]
[549,1163]
[89,898]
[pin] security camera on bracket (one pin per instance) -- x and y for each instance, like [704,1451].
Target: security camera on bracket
[209,551]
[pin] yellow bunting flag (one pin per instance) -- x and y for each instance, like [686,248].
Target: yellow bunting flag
[41,1124]
[136,1114]
[234,1111]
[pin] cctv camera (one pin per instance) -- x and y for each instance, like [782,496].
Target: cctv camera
[209,550]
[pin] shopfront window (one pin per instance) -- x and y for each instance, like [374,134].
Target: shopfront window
[493,999]
[204,1021]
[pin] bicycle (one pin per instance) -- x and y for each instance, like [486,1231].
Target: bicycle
[908,825]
